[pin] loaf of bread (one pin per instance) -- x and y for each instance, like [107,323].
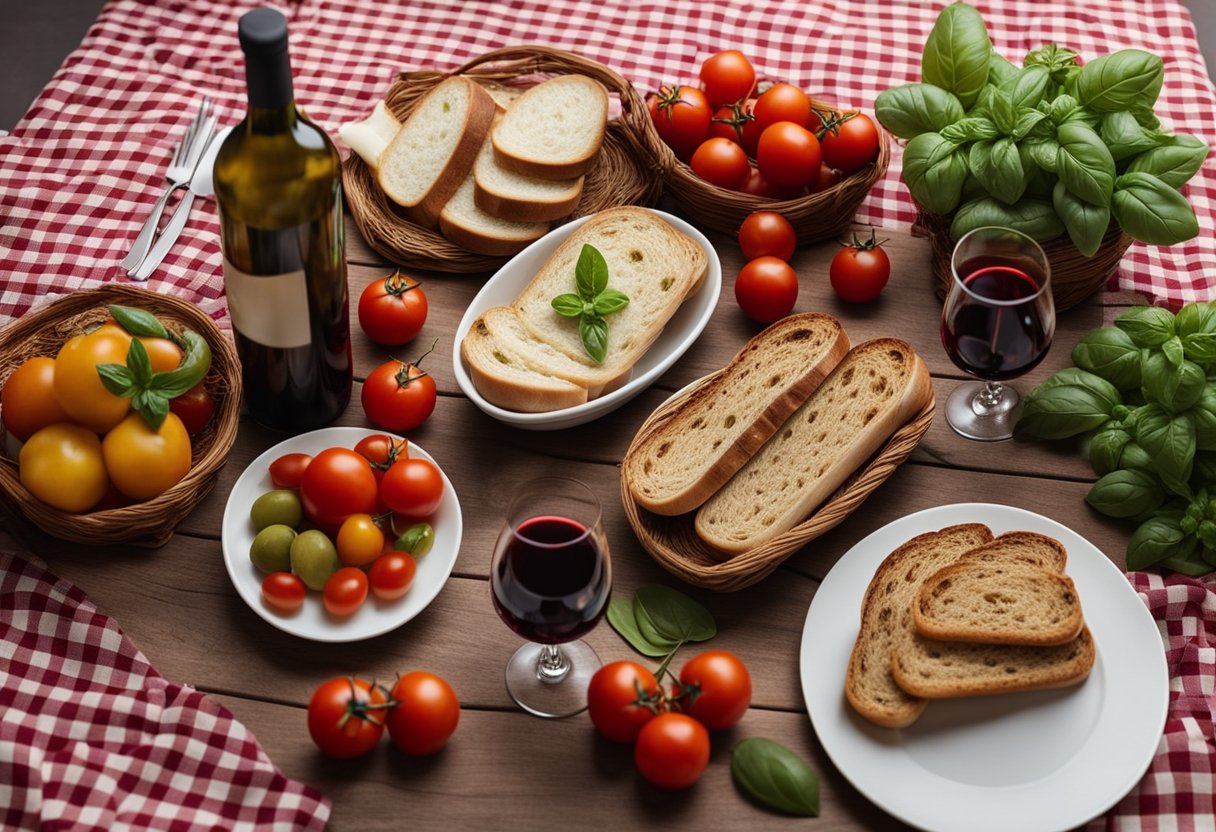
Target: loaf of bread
[877,388]
[555,129]
[725,421]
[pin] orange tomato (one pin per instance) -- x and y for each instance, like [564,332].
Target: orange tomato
[144,463]
[163,353]
[78,387]
[28,403]
[62,466]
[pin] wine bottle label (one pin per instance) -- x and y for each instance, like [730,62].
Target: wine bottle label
[269,309]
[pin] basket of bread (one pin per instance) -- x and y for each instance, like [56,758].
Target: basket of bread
[730,477]
[457,171]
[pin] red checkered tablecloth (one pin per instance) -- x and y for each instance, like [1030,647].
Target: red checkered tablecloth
[78,173]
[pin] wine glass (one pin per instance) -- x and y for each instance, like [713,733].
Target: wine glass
[550,580]
[997,323]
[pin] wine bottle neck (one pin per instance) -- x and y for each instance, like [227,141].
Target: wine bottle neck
[268,77]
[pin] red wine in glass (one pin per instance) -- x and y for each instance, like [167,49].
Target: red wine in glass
[996,341]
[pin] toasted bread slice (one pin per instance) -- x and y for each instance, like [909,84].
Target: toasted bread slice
[555,129]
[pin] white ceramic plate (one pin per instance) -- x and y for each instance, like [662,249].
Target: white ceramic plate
[675,339]
[311,621]
[1041,760]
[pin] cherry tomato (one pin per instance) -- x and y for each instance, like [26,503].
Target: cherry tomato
[145,463]
[392,309]
[382,451]
[672,751]
[195,408]
[345,591]
[28,403]
[283,592]
[784,102]
[850,142]
[767,233]
[766,289]
[78,387]
[398,396]
[715,689]
[413,487]
[163,354]
[62,466]
[788,155]
[757,185]
[424,715]
[828,178]
[859,271]
[288,470]
[721,162]
[681,116]
[359,540]
[337,483]
[346,717]
[727,76]
[621,698]
[391,575]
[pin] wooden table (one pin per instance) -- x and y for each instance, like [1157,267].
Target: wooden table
[505,769]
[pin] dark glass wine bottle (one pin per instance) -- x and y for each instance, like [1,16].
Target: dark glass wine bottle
[278,186]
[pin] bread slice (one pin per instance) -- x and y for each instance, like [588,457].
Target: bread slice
[469,227]
[676,468]
[1024,547]
[504,379]
[877,388]
[504,193]
[555,129]
[433,152]
[655,265]
[869,685]
[987,602]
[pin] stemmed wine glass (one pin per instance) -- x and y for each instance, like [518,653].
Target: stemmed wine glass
[550,580]
[997,323]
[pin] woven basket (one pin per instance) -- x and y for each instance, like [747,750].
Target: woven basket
[824,215]
[1074,277]
[673,542]
[150,523]
[622,174]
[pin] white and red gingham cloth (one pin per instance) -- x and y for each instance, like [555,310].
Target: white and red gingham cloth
[79,172]
[93,738]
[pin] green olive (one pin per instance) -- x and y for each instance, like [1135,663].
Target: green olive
[314,558]
[276,507]
[417,539]
[271,549]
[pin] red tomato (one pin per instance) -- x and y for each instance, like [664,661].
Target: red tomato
[828,178]
[767,233]
[788,155]
[681,116]
[195,408]
[382,451]
[766,289]
[346,717]
[345,591]
[860,271]
[288,470]
[784,102]
[392,309]
[424,715]
[398,396]
[622,697]
[715,689]
[337,483]
[413,487]
[721,162]
[283,592]
[672,751]
[757,185]
[28,402]
[727,77]
[391,575]
[850,142]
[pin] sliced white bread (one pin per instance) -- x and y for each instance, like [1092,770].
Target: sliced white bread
[676,468]
[504,193]
[555,129]
[869,686]
[876,389]
[372,135]
[504,379]
[469,227]
[432,154]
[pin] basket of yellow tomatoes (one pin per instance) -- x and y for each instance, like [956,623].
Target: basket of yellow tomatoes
[119,406]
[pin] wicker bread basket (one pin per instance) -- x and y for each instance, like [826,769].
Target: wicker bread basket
[150,523]
[624,172]
[673,542]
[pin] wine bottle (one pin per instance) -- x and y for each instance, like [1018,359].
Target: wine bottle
[279,192]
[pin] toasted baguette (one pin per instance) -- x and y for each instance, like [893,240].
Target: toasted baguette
[433,153]
[469,227]
[878,387]
[869,685]
[728,419]
[555,129]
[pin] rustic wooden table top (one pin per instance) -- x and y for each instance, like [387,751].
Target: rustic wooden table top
[505,769]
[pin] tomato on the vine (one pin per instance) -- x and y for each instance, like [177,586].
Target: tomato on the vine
[382,451]
[195,408]
[27,402]
[672,751]
[849,141]
[784,102]
[681,116]
[346,717]
[621,698]
[392,575]
[336,484]
[736,122]
[392,309]
[399,396]
[288,470]
[283,592]
[425,713]
[345,591]
[727,76]
[860,270]
[413,487]
[721,162]
[767,233]
[788,155]
[766,289]
[715,689]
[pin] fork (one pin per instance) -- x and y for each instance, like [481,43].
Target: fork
[181,167]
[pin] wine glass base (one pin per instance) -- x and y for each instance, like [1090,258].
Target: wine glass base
[552,699]
[972,420]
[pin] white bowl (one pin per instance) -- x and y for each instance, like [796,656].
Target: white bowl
[675,339]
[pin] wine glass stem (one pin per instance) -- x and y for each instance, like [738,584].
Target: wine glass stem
[989,397]
[551,665]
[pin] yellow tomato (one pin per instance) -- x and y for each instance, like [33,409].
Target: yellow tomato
[28,403]
[111,327]
[62,466]
[78,387]
[359,541]
[163,354]
[144,463]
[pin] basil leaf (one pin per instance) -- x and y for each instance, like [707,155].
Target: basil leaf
[1000,69]
[774,776]
[1121,81]
[609,301]
[138,321]
[1186,565]
[154,408]
[1125,494]
[957,53]
[1004,111]
[934,172]
[593,330]
[970,129]
[1086,224]
[1106,448]
[913,109]
[1175,388]
[1027,121]
[1028,86]
[590,273]
[1156,539]
[117,379]
[1084,164]
[196,360]
[1059,61]
[1109,352]
[1147,326]
[139,363]
[1170,441]
[1203,469]
[1078,377]
[1033,217]
[1151,211]
[1174,162]
[1200,347]
[1173,350]
[1125,137]
[1062,411]
[1195,319]
[622,619]
[1044,153]
[998,167]
[1135,458]
[1203,416]
[1062,108]
[674,615]
[568,305]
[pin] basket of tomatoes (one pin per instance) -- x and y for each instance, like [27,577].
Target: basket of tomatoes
[729,147]
[119,406]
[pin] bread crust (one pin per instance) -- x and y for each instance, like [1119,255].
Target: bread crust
[516,395]
[518,209]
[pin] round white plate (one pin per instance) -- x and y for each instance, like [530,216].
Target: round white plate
[1041,760]
[675,339]
[312,621]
